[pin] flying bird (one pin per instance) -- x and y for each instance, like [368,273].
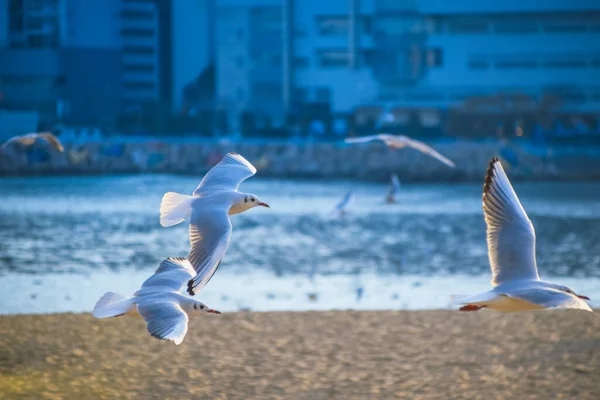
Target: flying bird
[159,301]
[30,138]
[394,189]
[399,142]
[340,208]
[209,208]
[511,251]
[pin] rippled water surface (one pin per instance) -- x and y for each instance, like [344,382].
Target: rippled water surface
[86,235]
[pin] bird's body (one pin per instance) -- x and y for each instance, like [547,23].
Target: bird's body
[159,301]
[209,208]
[30,138]
[511,249]
[393,190]
[341,207]
[401,141]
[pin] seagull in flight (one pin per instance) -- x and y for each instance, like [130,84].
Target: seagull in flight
[340,207]
[511,250]
[393,190]
[30,138]
[159,301]
[401,141]
[209,208]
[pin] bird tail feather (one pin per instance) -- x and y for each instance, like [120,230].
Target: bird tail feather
[112,305]
[175,208]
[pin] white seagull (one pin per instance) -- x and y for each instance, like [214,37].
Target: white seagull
[340,208]
[511,250]
[211,204]
[159,301]
[401,141]
[30,138]
[393,190]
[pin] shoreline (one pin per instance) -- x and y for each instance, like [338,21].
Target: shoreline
[435,354]
[305,159]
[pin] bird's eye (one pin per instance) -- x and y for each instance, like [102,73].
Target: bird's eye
[202,307]
[252,199]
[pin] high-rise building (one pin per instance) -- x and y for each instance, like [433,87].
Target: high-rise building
[478,48]
[82,62]
[192,45]
[274,56]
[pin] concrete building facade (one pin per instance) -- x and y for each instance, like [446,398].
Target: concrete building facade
[80,62]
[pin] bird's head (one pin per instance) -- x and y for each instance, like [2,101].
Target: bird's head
[251,201]
[570,291]
[200,308]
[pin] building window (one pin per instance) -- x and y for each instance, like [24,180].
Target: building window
[323,94]
[435,57]
[516,64]
[239,61]
[300,95]
[333,25]
[239,33]
[516,27]
[137,33]
[137,14]
[565,28]
[333,58]
[476,64]
[301,62]
[139,85]
[139,68]
[367,25]
[138,50]
[467,27]
[240,94]
[565,64]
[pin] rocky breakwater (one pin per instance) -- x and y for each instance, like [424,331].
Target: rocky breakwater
[372,161]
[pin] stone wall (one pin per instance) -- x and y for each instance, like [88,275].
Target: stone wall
[372,161]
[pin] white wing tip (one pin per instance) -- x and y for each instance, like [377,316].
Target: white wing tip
[240,159]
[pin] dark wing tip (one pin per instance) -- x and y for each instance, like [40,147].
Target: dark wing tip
[190,287]
[489,175]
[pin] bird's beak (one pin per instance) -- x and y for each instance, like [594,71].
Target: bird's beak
[211,311]
[583,297]
[263,204]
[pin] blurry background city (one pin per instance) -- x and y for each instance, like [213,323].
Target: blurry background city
[291,68]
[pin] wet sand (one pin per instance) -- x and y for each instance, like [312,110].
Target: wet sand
[308,355]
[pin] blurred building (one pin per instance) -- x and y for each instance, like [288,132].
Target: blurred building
[192,53]
[277,58]
[81,62]
[525,47]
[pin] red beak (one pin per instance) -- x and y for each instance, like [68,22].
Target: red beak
[211,311]
[263,204]
[583,297]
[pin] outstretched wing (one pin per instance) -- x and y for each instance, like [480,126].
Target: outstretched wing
[210,232]
[165,319]
[172,274]
[424,148]
[228,174]
[53,140]
[510,233]
[344,202]
[551,299]
[365,139]
[30,138]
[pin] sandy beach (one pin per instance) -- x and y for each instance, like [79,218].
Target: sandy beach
[308,355]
